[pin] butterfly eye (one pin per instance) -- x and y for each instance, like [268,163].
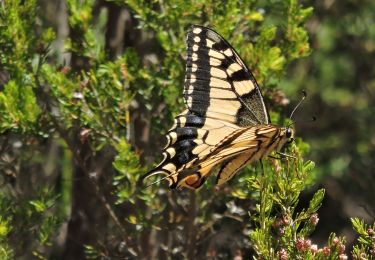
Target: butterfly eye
[288,133]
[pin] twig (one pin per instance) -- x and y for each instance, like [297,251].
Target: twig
[191,228]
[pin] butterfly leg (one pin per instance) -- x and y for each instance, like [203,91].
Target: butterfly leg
[275,158]
[286,155]
[261,166]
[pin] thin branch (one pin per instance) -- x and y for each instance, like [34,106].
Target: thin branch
[191,228]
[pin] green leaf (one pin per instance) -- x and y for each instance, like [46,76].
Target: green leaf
[267,34]
[359,226]
[316,201]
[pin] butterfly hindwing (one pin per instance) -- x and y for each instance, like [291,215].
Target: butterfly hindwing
[189,140]
[241,147]
[230,168]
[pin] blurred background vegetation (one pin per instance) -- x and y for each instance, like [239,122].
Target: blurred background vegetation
[89,87]
[340,81]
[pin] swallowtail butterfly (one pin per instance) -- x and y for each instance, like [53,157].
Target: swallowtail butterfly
[226,122]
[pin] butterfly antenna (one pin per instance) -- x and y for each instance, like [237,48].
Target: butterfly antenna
[299,103]
[313,119]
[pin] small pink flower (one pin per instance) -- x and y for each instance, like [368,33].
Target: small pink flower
[300,243]
[314,248]
[335,241]
[303,244]
[281,231]
[314,219]
[326,251]
[307,244]
[282,254]
[285,220]
[342,248]
[343,257]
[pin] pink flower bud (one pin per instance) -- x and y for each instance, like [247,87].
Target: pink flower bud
[335,241]
[285,220]
[343,257]
[281,231]
[342,248]
[307,244]
[300,243]
[282,254]
[314,248]
[326,251]
[314,219]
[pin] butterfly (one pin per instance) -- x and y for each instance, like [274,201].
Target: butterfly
[225,123]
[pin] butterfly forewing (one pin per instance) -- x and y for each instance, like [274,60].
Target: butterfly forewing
[218,84]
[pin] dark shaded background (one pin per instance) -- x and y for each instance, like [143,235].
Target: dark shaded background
[339,78]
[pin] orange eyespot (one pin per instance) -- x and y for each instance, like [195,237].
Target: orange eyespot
[194,181]
[191,180]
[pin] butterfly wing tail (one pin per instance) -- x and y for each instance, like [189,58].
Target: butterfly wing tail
[150,174]
[164,170]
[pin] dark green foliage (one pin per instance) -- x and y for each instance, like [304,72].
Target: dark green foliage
[279,225]
[19,45]
[27,223]
[78,133]
[127,163]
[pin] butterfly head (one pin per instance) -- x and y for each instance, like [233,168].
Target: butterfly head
[287,135]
